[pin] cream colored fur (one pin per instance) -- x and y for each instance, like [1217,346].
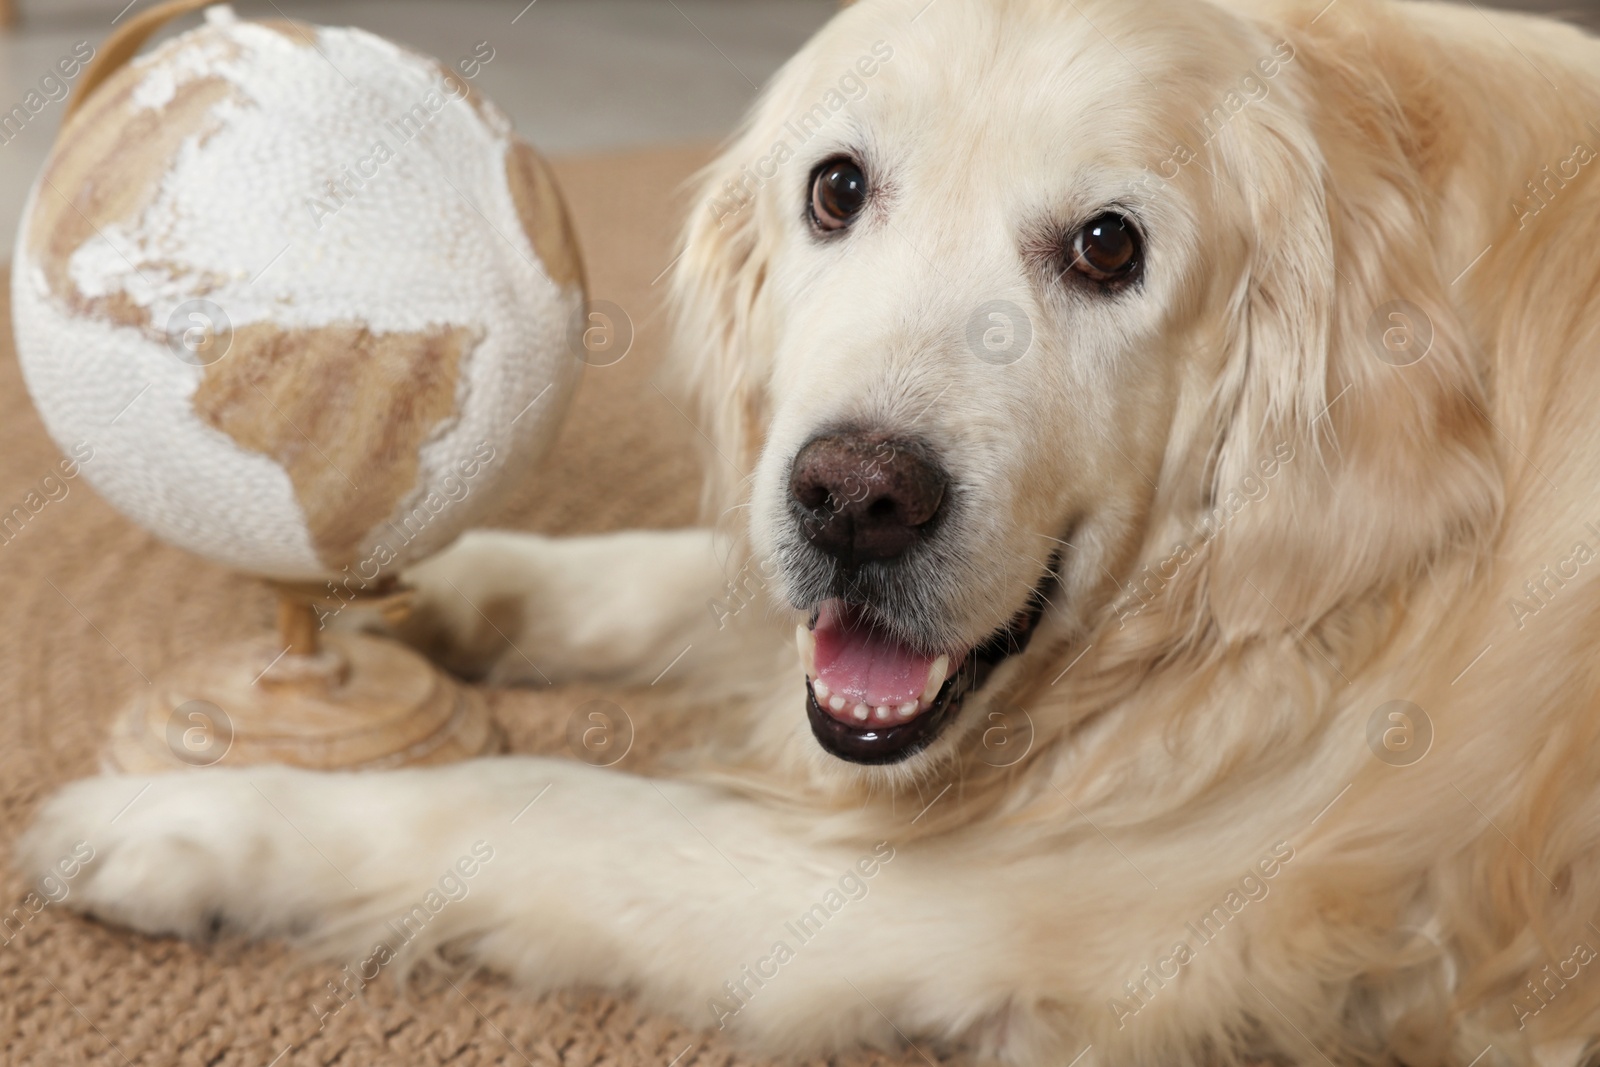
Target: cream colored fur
[1189,731]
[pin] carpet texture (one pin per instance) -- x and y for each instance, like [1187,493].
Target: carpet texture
[90,604]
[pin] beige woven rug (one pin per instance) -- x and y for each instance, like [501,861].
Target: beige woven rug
[88,601]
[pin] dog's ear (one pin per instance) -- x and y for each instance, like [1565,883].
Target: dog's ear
[1352,382]
[722,343]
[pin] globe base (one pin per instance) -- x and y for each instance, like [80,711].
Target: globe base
[351,701]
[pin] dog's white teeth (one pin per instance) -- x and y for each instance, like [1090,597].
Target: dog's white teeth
[908,709]
[837,704]
[936,676]
[806,642]
[859,712]
[883,711]
[820,690]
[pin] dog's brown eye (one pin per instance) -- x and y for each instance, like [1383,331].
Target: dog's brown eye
[837,194]
[1106,249]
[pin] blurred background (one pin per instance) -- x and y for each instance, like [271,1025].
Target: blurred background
[576,76]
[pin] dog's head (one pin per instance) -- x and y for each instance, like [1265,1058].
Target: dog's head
[1014,318]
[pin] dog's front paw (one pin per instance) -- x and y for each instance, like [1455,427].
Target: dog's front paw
[469,606]
[175,854]
[91,849]
[465,606]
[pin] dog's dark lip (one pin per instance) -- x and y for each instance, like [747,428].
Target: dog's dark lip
[874,745]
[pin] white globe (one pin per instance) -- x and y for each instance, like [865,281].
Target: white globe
[300,296]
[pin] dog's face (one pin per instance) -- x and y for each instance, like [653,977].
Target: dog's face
[979,364]
[989,313]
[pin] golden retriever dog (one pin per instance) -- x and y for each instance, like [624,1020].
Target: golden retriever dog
[1152,617]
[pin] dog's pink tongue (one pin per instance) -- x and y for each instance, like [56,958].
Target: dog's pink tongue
[863,664]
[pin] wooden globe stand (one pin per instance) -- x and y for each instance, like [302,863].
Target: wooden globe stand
[311,698]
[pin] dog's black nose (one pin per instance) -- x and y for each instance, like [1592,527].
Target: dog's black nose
[861,496]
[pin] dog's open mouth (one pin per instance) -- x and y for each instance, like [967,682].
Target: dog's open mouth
[872,698]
